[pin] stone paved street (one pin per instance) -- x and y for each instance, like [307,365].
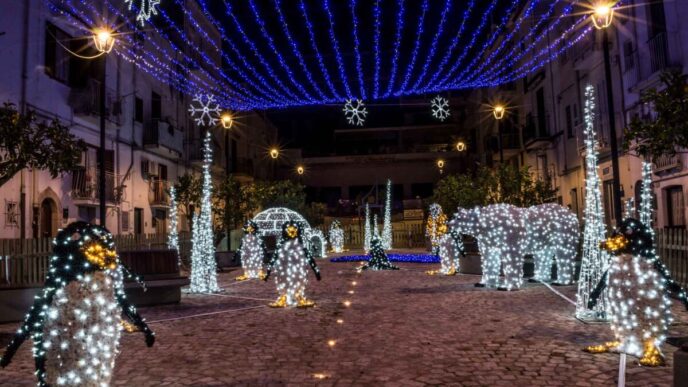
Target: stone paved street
[402,328]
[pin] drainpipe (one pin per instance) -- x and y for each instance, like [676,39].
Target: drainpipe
[22,106]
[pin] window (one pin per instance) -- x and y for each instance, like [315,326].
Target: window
[574,201]
[125,221]
[11,213]
[87,214]
[569,122]
[676,216]
[56,57]
[608,198]
[629,62]
[138,109]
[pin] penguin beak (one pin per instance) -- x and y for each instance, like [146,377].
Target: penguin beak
[614,244]
[100,256]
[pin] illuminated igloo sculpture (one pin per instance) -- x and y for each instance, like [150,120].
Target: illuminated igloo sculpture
[270,223]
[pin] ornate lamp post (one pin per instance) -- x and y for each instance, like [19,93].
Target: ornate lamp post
[499,111]
[602,18]
[104,41]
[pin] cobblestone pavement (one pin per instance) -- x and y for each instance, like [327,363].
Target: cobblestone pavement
[402,328]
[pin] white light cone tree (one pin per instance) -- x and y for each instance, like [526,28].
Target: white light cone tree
[172,226]
[595,260]
[387,221]
[203,265]
[366,230]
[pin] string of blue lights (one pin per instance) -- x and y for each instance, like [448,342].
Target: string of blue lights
[251,55]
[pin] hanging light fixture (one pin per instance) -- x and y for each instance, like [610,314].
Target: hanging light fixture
[103,40]
[602,15]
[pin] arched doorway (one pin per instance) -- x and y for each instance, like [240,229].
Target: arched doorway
[48,218]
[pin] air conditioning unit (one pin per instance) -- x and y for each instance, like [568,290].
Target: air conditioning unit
[149,168]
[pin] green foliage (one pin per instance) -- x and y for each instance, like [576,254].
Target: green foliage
[284,193]
[668,130]
[503,184]
[189,189]
[27,142]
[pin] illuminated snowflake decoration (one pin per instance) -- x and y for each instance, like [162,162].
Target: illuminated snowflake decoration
[355,112]
[205,110]
[440,108]
[146,9]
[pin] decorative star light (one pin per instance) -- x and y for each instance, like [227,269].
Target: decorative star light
[440,108]
[146,9]
[205,110]
[355,112]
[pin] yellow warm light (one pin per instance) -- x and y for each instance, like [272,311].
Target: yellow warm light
[331,343]
[100,256]
[499,111]
[274,153]
[227,120]
[440,164]
[351,292]
[354,283]
[340,321]
[602,15]
[460,146]
[103,40]
[300,169]
[347,303]
[320,376]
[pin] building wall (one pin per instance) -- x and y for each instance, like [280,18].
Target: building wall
[52,203]
[636,64]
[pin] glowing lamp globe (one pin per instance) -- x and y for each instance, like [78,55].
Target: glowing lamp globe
[103,40]
[274,153]
[499,111]
[300,170]
[460,146]
[602,16]
[227,121]
[440,164]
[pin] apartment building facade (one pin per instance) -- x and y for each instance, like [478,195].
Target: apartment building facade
[150,138]
[544,125]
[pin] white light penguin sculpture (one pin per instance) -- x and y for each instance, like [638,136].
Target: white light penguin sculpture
[251,253]
[290,262]
[639,304]
[75,322]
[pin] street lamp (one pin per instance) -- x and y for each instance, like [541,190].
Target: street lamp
[227,120]
[300,170]
[274,153]
[602,18]
[104,41]
[440,165]
[603,15]
[460,146]
[499,111]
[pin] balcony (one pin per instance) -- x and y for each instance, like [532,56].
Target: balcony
[158,193]
[667,164]
[243,169]
[86,101]
[535,136]
[85,187]
[163,139]
[510,142]
[659,59]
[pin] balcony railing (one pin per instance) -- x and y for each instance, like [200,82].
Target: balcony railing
[666,163]
[242,166]
[159,134]
[658,52]
[158,194]
[85,185]
[86,100]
